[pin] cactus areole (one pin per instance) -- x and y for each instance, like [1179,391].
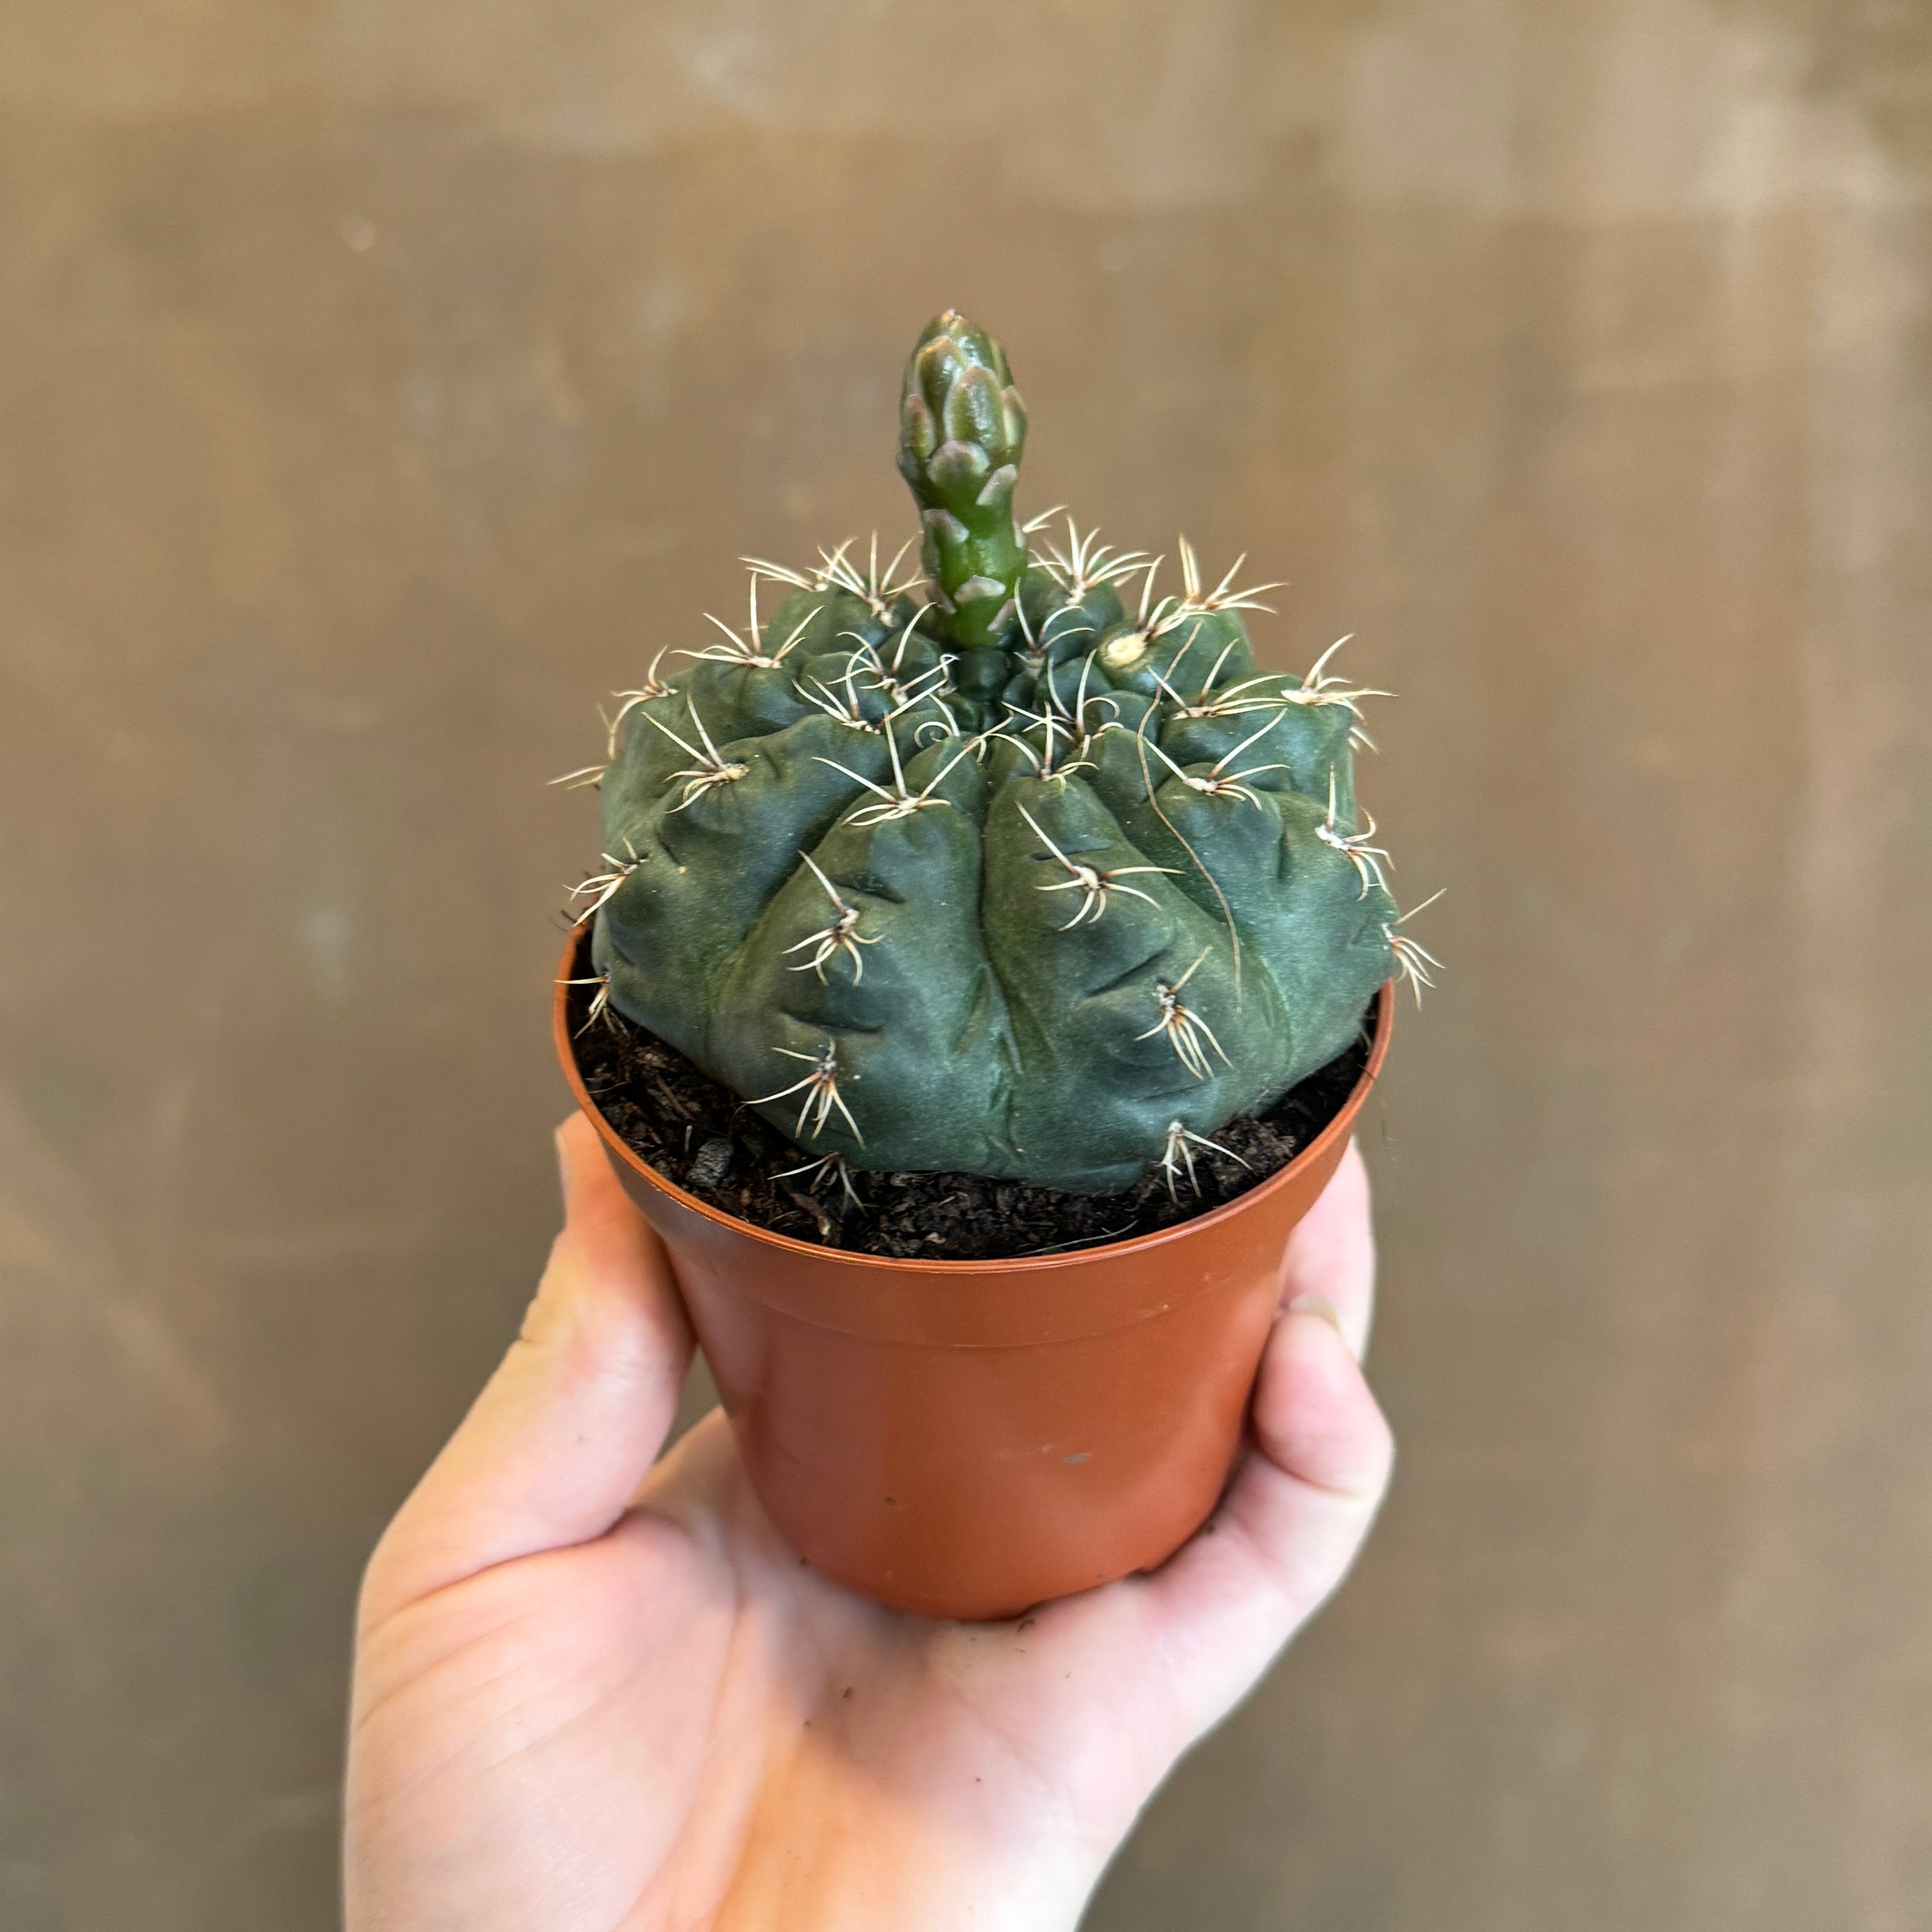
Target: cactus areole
[1018,868]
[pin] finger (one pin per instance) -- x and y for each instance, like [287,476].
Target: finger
[1289,1527]
[1331,1255]
[554,1447]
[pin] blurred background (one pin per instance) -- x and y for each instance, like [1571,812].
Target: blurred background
[381,385]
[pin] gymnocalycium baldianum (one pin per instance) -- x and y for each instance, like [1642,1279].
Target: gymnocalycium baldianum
[1011,863]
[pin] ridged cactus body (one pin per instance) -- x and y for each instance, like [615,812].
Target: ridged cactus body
[1013,881]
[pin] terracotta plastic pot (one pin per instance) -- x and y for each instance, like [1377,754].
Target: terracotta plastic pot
[966,1438]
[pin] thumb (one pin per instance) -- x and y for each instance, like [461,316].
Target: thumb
[1305,1494]
[555,1446]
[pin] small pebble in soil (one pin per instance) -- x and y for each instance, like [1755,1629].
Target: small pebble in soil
[713,1161]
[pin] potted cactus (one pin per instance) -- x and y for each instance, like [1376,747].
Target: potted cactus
[1012,876]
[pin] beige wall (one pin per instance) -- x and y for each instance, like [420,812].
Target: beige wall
[380,384]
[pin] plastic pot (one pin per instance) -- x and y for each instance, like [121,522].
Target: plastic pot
[967,1438]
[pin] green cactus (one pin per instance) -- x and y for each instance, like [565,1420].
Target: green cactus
[1011,880]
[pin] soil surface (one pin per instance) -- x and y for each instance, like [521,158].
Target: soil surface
[700,1136]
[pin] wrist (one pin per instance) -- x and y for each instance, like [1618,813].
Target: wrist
[875,1862]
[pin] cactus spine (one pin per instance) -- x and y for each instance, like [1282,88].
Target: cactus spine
[1008,879]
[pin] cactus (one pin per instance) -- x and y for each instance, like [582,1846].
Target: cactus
[1010,879]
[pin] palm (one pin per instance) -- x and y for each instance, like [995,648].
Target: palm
[671,1721]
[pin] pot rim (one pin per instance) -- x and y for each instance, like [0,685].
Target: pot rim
[576,948]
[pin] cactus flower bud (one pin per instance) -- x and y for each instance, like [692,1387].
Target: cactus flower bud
[962,429]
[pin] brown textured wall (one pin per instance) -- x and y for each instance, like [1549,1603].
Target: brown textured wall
[379,385]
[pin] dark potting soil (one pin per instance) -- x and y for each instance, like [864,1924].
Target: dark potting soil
[700,1136]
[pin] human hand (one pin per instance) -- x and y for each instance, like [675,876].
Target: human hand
[592,1695]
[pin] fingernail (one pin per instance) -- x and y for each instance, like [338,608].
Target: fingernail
[1317,1304]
